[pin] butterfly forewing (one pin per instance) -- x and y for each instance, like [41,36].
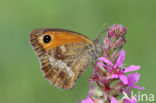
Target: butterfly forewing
[63,57]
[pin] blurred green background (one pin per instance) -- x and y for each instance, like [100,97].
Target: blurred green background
[21,80]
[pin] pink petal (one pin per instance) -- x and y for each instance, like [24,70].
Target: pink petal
[133,100]
[115,76]
[101,64]
[123,78]
[120,59]
[131,68]
[128,90]
[106,61]
[113,100]
[137,87]
[133,78]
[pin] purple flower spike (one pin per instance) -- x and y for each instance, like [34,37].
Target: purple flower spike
[110,82]
[132,79]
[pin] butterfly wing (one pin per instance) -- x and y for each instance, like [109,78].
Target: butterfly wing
[65,57]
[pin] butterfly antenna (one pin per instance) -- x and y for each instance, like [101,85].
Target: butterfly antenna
[100,31]
[98,41]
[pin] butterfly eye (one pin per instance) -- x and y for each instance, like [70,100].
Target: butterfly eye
[47,38]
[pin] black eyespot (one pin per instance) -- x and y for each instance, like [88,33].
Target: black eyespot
[47,38]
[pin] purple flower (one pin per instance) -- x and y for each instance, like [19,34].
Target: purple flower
[115,70]
[132,79]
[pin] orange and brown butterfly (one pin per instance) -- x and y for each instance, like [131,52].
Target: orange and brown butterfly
[64,55]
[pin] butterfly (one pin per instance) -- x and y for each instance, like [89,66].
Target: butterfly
[64,55]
